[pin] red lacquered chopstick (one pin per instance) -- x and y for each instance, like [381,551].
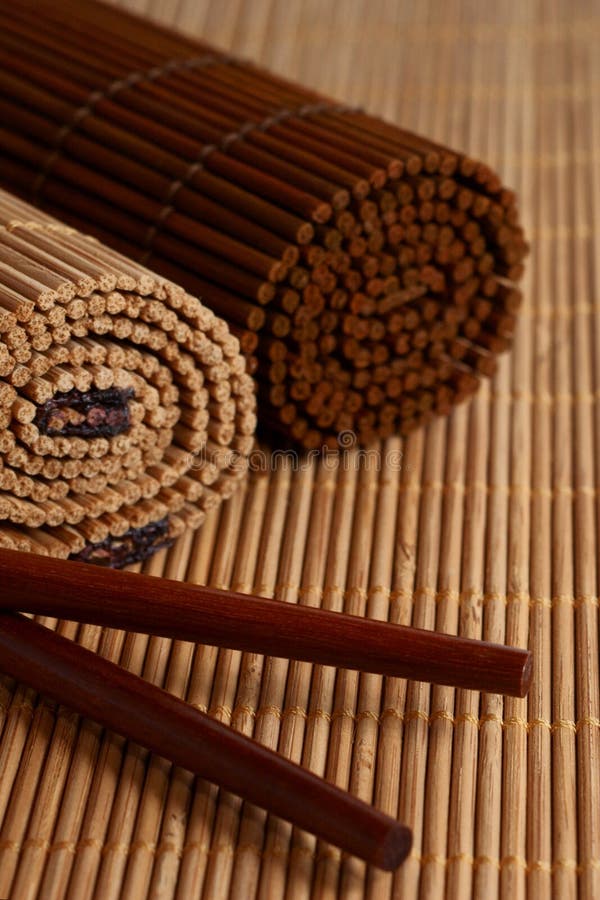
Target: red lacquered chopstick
[84,593]
[177,731]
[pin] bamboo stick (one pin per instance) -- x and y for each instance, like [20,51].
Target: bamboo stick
[585,586]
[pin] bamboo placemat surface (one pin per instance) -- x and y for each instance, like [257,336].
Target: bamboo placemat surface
[485,523]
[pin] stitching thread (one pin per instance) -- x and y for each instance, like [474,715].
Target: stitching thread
[470,597]
[205,848]
[134,78]
[572,725]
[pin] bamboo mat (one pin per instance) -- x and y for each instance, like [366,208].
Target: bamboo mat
[485,523]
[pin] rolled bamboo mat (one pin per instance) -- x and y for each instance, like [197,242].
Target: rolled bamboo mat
[369,272]
[125,406]
[484,523]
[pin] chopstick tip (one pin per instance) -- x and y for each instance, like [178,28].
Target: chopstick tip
[394,848]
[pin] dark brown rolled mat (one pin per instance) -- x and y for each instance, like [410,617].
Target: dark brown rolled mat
[125,409]
[368,272]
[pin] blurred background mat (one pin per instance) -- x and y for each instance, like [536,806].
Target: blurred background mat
[485,523]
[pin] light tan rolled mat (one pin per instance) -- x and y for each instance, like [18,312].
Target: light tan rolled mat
[125,409]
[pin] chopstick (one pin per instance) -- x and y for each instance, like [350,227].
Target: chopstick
[84,593]
[152,717]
